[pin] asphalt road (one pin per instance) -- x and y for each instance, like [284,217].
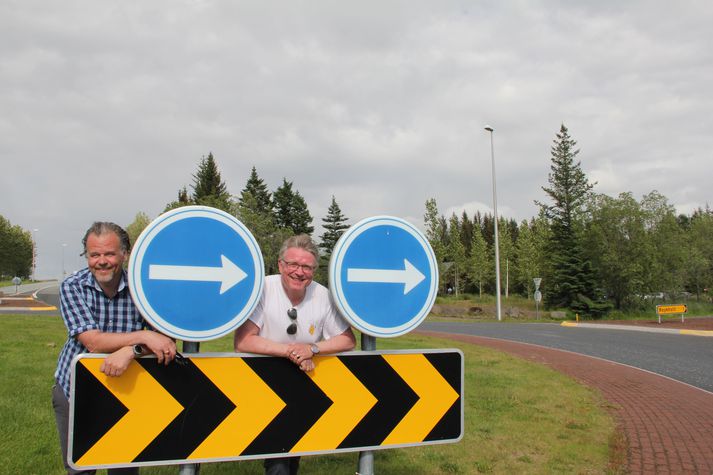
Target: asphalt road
[50,295]
[685,358]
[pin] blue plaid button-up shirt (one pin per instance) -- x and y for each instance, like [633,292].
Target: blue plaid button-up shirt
[84,306]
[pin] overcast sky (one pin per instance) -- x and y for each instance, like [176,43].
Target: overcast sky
[107,107]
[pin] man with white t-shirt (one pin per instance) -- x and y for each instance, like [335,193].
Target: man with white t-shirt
[295,319]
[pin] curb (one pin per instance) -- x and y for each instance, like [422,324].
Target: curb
[26,309]
[639,329]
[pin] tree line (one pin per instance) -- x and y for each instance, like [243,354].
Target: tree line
[593,252]
[16,250]
[271,216]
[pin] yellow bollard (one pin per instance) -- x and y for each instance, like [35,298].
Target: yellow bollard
[576,315]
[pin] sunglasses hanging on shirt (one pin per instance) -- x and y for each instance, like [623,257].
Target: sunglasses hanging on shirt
[292,329]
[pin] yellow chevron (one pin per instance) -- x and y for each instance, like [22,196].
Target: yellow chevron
[255,406]
[435,398]
[351,401]
[151,409]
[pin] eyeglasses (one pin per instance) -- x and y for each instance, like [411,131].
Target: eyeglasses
[292,329]
[293,266]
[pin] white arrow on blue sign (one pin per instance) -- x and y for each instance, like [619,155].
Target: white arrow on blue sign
[383,276]
[196,273]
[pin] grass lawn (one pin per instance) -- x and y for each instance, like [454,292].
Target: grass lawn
[519,417]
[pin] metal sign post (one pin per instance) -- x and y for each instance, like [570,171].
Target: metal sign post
[366,458]
[190,468]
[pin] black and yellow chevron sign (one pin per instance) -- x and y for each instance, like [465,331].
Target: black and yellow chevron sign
[220,407]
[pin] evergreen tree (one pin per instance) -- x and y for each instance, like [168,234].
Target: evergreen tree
[291,210]
[480,266]
[302,221]
[183,200]
[436,234]
[528,256]
[208,186]
[571,284]
[507,254]
[466,231]
[334,226]
[260,198]
[456,253]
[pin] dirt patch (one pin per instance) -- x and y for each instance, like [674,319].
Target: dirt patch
[689,323]
[475,311]
[21,303]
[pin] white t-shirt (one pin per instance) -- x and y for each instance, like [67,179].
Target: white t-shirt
[317,317]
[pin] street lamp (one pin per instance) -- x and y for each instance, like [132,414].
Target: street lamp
[495,223]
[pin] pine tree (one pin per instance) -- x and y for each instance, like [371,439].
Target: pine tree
[334,226]
[571,283]
[208,186]
[480,266]
[527,257]
[302,220]
[183,200]
[283,201]
[436,234]
[466,231]
[291,210]
[260,197]
[456,253]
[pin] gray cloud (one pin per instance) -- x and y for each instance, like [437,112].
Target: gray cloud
[107,107]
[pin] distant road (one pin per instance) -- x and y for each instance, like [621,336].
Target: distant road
[47,292]
[685,358]
[50,295]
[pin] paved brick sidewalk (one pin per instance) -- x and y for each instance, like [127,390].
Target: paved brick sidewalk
[668,425]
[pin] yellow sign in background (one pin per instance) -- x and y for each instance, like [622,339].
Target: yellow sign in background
[671,309]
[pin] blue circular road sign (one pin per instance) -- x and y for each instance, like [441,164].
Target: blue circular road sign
[383,276]
[196,273]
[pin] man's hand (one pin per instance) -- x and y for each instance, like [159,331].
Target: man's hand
[307,365]
[160,345]
[299,352]
[116,363]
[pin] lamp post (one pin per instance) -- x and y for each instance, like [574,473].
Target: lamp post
[495,223]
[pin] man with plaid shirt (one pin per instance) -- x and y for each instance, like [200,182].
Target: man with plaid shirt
[101,318]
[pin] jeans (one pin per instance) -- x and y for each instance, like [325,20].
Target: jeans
[61,414]
[282,466]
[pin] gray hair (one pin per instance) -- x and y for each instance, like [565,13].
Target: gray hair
[301,241]
[103,227]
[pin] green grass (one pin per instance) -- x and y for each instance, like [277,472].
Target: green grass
[519,417]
